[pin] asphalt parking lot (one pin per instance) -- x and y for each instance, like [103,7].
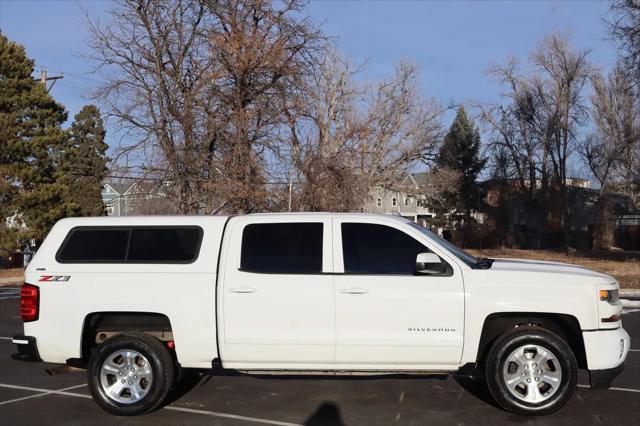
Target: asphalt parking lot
[30,396]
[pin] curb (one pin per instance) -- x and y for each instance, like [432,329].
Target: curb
[629,295]
[630,299]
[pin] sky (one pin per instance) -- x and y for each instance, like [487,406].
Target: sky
[453,42]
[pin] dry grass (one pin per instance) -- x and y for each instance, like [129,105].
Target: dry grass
[11,276]
[624,266]
[12,273]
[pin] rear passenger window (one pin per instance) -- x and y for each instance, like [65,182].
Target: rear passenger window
[131,245]
[285,248]
[164,245]
[95,245]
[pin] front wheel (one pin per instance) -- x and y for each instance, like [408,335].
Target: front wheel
[531,371]
[130,374]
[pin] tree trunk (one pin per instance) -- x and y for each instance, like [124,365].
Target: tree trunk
[604,230]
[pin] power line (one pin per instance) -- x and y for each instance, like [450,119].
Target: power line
[158,179]
[93,80]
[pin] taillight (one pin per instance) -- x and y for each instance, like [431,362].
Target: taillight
[29,302]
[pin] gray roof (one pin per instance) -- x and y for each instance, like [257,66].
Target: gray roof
[120,188]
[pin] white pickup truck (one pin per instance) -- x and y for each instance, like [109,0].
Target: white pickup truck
[135,299]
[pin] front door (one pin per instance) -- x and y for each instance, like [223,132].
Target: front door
[387,316]
[277,302]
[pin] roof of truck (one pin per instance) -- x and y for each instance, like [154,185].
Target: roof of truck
[190,218]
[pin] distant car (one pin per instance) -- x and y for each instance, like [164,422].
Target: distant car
[135,299]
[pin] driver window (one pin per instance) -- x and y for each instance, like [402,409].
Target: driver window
[378,249]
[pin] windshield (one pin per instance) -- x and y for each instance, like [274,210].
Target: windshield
[471,261]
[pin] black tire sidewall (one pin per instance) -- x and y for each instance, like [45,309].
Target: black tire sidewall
[162,373]
[534,336]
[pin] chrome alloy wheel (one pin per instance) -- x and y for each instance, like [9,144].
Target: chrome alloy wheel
[126,376]
[532,374]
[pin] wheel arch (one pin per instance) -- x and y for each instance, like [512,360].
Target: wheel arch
[115,322]
[566,326]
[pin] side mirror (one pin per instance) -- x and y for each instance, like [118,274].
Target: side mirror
[429,264]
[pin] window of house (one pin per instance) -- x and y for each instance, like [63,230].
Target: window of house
[285,248]
[394,202]
[379,202]
[143,244]
[407,201]
[378,249]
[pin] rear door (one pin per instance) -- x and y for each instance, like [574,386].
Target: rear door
[276,300]
[387,316]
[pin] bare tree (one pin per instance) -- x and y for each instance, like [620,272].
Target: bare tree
[195,85]
[539,124]
[351,138]
[263,55]
[608,152]
[565,73]
[624,28]
[512,126]
[439,191]
[154,59]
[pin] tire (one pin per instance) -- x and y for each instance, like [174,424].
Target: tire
[130,374]
[513,374]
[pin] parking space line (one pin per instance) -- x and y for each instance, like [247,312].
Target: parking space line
[6,338]
[231,416]
[615,389]
[41,392]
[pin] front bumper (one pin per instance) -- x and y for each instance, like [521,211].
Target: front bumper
[601,379]
[27,348]
[606,352]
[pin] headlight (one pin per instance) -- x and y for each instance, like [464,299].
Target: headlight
[610,296]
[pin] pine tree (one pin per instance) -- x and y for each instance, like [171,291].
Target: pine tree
[461,152]
[87,160]
[32,145]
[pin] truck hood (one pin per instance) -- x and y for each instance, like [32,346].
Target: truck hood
[519,265]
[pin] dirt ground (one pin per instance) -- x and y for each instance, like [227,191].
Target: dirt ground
[624,266]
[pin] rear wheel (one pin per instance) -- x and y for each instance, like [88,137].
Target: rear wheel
[531,371]
[130,374]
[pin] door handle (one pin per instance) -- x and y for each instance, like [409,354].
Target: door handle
[243,289]
[354,290]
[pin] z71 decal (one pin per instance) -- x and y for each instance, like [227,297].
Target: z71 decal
[57,278]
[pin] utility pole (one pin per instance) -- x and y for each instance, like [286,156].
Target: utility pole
[44,78]
[290,190]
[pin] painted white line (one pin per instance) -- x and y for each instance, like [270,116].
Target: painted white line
[634,350]
[42,392]
[10,297]
[6,338]
[231,416]
[615,389]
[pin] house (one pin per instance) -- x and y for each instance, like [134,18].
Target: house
[528,222]
[403,200]
[136,197]
[112,198]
